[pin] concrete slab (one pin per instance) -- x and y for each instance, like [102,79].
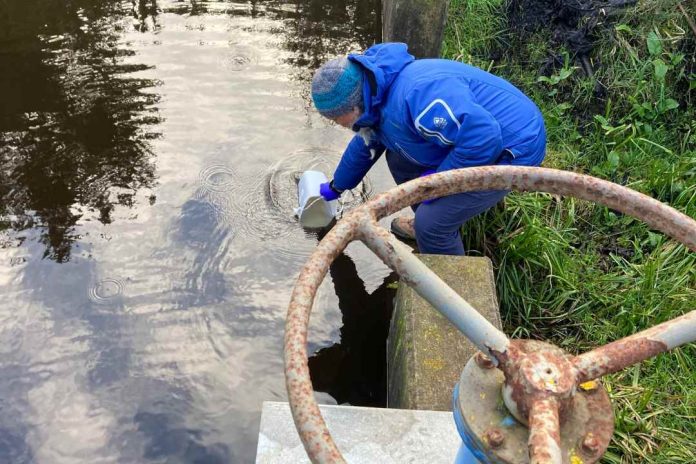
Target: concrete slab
[426,353]
[364,435]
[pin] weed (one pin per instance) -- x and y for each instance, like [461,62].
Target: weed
[577,273]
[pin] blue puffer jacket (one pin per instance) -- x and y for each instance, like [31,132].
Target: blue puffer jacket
[438,114]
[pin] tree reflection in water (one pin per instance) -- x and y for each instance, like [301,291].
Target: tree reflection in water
[75,124]
[74,138]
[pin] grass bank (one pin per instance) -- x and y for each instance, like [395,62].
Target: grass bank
[617,88]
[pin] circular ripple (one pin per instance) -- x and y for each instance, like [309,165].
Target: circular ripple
[260,218]
[286,174]
[266,211]
[237,62]
[239,58]
[106,291]
[297,248]
[218,178]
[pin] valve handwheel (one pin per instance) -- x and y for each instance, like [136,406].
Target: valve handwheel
[540,380]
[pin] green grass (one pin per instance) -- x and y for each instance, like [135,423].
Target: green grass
[577,273]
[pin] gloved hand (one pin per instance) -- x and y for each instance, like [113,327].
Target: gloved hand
[328,191]
[427,173]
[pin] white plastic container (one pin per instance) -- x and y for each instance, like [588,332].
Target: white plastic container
[314,211]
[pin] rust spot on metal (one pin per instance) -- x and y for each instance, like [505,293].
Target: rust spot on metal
[544,432]
[590,444]
[616,356]
[483,361]
[494,437]
[534,371]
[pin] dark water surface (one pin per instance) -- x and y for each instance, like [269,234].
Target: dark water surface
[149,152]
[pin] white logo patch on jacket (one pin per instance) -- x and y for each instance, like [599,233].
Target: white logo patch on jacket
[437,120]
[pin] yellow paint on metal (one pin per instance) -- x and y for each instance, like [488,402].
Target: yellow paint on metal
[589,385]
[574,458]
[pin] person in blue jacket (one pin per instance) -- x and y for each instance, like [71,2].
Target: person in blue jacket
[430,115]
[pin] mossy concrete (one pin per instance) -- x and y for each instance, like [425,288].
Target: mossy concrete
[425,352]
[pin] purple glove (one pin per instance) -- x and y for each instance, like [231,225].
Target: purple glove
[328,191]
[427,173]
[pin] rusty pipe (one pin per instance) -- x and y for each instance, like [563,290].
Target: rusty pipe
[658,215]
[636,348]
[310,425]
[544,432]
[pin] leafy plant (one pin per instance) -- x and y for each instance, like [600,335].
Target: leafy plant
[580,274]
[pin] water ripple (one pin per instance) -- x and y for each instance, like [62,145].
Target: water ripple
[260,219]
[265,213]
[218,178]
[236,62]
[106,291]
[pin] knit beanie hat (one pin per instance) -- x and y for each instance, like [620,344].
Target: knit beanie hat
[337,87]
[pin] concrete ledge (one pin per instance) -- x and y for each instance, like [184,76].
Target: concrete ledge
[425,353]
[364,435]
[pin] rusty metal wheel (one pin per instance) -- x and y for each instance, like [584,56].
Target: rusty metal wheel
[540,382]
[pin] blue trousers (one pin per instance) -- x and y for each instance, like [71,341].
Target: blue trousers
[438,223]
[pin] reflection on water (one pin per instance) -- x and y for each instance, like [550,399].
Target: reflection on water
[75,123]
[149,154]
[352,371]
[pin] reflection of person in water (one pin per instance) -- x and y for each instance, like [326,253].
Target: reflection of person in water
[354,370]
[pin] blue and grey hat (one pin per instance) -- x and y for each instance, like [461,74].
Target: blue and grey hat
[337,87]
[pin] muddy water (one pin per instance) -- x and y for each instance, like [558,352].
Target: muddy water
[149,157]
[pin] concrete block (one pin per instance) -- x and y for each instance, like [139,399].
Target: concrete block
[425,352]
[364,435]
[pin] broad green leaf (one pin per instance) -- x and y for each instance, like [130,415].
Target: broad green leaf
[660,69]
[654,44]
[671,104]
[565,73]
[677,58]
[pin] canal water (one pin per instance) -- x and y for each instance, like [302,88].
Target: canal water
[149,152]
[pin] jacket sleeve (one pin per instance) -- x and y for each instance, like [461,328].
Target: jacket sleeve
[446,113]
[357,159]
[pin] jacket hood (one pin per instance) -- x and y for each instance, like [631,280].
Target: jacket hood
[383,62]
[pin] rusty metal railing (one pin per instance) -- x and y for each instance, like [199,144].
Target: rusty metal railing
[539,383]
